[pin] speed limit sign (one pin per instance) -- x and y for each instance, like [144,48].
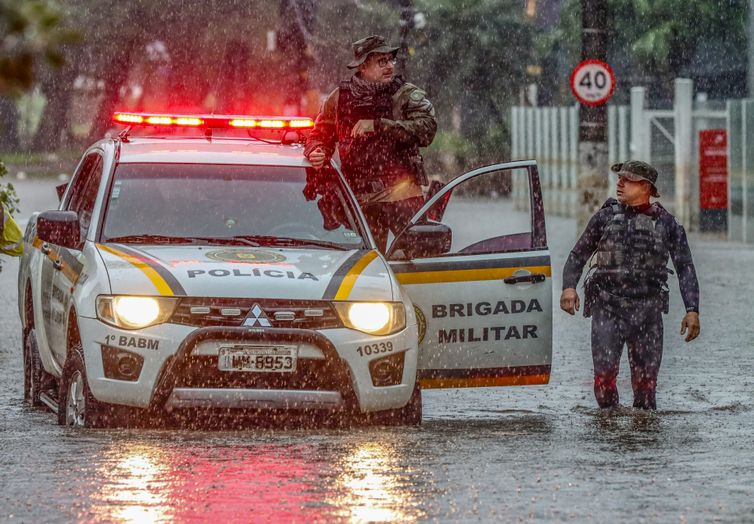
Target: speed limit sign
[592,82]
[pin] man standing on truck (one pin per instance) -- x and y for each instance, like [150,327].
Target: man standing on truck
[378,122]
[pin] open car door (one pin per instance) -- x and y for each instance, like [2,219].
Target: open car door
[475,262]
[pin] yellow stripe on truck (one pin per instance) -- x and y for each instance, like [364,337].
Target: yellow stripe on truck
[467,275]
[350,279]
[162,286]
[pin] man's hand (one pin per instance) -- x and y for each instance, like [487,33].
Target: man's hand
[317,158]
[362,128]
[691,323]
[569,301]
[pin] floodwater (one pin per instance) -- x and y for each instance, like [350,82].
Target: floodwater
[491,454]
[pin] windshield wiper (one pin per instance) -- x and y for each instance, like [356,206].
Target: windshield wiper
[267,240]
[248,240]
[167,239]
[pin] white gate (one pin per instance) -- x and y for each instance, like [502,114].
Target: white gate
[665,137]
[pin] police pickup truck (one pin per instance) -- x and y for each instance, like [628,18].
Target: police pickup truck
[194,264]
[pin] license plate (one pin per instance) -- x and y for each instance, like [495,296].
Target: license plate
[259,359]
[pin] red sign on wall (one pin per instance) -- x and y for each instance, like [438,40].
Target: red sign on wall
[713,169]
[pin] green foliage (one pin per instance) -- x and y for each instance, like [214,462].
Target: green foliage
[29,34]
[472,59]
[8,196]
[654,41]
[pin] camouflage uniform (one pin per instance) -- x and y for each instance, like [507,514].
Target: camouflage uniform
[384,169]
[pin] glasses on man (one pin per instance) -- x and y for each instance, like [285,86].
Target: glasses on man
[384,61]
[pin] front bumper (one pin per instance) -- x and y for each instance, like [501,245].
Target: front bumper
[331,374]
[253,399]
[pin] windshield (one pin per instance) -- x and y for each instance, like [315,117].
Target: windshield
[206,203]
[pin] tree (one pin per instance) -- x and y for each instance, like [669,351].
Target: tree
[29,34]
[472,59]
[654,41]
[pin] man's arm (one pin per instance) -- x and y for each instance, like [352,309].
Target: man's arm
[417,126]
[324,135]
[680,254]
[585,246]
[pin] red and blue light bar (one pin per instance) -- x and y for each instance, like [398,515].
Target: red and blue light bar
[214,121]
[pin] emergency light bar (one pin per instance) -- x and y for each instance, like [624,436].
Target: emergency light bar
[213,121]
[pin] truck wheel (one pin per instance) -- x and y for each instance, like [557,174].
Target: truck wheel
[77,406]
[35,377]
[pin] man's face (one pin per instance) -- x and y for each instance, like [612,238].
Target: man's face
[378,67]
[632,193]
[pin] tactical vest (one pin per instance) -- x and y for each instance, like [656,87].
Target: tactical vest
[376,161]
[631,255]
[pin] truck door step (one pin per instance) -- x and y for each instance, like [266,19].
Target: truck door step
[50,400]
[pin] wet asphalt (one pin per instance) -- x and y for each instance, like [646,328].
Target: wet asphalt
[540,453]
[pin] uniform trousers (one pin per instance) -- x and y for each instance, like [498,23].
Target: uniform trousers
[383,217]
[641,330]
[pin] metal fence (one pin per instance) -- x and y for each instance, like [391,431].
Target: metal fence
[741,170]
[666,134]
[550,135]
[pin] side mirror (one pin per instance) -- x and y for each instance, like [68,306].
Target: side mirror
[424,240]
[60,228]
[60,190]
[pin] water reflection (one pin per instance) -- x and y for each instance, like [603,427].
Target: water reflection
[372,487]
[134,492]
[154,483]
[231,478]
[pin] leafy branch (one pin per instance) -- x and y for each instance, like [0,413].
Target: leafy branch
[8,196]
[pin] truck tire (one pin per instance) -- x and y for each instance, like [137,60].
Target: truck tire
[35,377]
[77,406]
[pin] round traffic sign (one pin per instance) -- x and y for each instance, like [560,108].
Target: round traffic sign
[592,82]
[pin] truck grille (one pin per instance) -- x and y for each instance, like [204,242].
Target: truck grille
[300,314]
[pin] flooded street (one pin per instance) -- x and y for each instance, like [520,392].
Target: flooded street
[489,454]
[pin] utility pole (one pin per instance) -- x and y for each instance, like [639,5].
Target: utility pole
[593,169]
[750,72]
[407,23]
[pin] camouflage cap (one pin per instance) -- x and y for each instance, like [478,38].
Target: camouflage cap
[366,46]
[637,170]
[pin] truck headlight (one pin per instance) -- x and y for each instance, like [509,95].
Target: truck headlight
[131,312]
[375,318]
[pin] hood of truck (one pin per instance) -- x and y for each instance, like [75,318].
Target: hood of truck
[247,272]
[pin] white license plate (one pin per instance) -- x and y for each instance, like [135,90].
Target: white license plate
[260,359]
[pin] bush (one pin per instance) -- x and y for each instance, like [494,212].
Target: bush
[8,196]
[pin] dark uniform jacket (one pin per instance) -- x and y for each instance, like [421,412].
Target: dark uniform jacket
[385,166]
[618,276]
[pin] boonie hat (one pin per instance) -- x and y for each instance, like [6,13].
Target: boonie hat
[637,171]
[366,46]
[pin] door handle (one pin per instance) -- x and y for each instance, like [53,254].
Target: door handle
[45,249]
[57,264]
[533,278]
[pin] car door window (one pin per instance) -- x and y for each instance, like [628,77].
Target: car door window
[83,192]
[489,213]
